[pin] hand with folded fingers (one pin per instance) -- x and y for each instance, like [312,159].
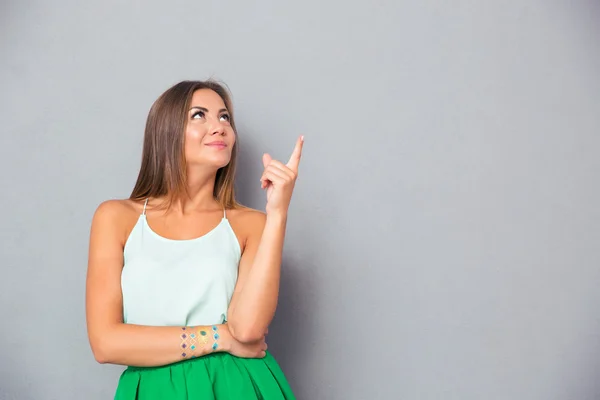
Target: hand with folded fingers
[279,180]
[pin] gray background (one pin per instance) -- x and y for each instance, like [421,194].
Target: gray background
[443,237]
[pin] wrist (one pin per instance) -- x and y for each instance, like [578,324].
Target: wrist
[277,217]
[210,338]
[224,339]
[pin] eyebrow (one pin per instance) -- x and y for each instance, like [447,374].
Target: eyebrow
[206,109]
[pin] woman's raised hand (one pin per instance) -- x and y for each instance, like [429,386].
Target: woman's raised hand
[279,180]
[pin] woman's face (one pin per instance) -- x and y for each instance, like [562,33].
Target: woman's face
[209,137]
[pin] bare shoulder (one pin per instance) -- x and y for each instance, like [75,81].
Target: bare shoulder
[117,216]
[247,221]
[115,209]
[247,215]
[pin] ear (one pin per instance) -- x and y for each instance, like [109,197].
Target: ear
[266,158]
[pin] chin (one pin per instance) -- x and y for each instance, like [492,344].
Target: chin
[219,163]
[213,162]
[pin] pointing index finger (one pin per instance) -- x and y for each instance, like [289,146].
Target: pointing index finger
[296,155]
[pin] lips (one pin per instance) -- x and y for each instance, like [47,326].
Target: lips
[218,144]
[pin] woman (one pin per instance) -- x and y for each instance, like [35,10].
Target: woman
[182,280]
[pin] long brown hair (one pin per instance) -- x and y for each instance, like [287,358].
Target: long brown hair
[163,169]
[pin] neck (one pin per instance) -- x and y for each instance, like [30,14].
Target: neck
[199,196]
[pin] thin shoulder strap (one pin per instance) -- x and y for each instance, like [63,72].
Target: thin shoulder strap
[145,203]
[224,214]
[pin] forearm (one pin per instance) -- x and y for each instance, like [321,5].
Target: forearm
[138,345]
[256,304]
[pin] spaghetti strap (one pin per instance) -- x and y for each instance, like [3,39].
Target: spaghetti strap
[224,215]
[144,210]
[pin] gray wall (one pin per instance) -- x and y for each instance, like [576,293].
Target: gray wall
[443,238]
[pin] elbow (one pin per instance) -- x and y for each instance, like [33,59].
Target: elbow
[245,334]
[100,351]
[100,358]
[248,336]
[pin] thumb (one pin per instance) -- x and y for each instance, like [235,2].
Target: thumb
[266,159]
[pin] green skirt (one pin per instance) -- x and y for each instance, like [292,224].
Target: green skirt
[217,376]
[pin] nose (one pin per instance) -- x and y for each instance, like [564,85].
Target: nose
[217,127]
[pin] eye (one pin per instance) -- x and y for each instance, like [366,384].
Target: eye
[226,117]
[198,114]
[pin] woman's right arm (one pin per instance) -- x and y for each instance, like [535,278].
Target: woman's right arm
[115,342]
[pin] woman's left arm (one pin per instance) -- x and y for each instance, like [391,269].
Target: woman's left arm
[254,301]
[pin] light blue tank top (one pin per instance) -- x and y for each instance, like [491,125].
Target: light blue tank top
[168,282]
